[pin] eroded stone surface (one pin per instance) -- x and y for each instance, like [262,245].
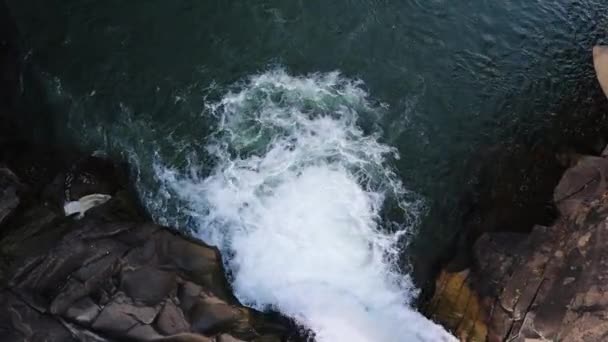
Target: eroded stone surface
[113,276]
[545,285]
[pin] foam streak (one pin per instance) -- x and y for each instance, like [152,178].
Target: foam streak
[295,202]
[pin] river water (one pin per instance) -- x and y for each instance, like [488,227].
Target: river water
[316,143]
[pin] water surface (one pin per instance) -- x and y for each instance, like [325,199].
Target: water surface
[339,130]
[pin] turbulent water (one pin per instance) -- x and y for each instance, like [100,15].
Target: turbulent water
[295,203]
[325,190]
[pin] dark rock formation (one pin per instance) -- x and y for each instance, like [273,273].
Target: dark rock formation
[545,285]
[110,275]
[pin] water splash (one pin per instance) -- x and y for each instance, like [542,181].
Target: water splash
[295,204]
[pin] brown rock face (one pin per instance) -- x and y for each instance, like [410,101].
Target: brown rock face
[548,285]
[458,306]
[110,276]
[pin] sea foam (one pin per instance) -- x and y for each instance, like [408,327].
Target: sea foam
[295,201]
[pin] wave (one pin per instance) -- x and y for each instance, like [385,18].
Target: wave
[295,201]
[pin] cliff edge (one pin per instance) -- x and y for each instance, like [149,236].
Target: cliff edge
[80,262]
[107,273]
[546,285]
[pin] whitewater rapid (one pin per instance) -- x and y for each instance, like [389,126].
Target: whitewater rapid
[294,202]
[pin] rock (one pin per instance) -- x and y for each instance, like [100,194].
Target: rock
[21,322]
[212,315]
[143,333]
[158,284]
[268,338]
[9,194]
[600,62]
[91,175]
[549,284]
[83,311]
[171,320]
[111,275]
[227,338]
[586,180]
[185,337]
[118,318]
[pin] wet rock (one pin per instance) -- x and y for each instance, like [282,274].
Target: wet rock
[457,306]
[83,311]
[158,284]
[171,320]
[227,338]
[111,275]
[268,338]
[185,337]
[118,318]
[587,179]
[211,315]
[548,284]
[543,285]
[21,322]
[9,194]
[91,175]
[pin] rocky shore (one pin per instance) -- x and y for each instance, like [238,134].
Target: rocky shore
[548,284]
[98,269]
[110,274]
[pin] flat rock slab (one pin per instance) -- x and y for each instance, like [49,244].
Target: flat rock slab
[548,285]
[111,276]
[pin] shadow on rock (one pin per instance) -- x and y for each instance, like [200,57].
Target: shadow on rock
[110,275]
[546,283]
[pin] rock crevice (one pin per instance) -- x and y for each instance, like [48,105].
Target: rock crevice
[110,274]
[549,284]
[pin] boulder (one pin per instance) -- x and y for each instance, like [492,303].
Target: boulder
[457,306]
[547,285]
[10,197]
[111,275]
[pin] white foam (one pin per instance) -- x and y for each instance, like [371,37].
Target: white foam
[294,204]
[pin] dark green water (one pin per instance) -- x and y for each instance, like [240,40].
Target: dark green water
[453,78]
